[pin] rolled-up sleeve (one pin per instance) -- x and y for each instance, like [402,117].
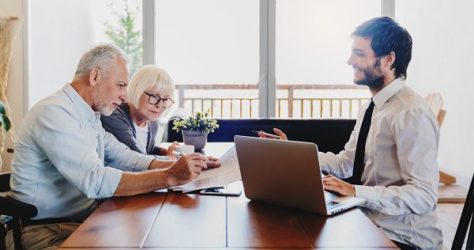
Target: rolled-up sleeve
[120,156]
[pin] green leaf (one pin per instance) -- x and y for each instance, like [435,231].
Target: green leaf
[5,122]
[2,108]
[199,122]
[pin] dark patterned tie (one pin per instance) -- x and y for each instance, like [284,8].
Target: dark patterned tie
[360,149]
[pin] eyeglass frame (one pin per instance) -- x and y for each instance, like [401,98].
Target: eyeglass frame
[160,99]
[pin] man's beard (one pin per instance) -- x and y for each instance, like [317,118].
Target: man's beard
[373,79]
[106,111]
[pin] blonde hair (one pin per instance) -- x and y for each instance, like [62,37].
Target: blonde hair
[149,77]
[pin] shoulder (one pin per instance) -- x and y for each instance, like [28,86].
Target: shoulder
[411,102]
[54,107]
[120,118]
[410,108]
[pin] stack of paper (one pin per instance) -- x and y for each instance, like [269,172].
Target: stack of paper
[227,173]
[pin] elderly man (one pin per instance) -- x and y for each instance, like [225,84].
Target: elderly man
[390,159]
[64,160]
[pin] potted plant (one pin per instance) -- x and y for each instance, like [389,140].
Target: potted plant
[5,124]
[4,121]
[195,129]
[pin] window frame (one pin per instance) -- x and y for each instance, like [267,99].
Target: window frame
[267,54]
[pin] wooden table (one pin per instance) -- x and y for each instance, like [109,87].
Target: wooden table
[174,220]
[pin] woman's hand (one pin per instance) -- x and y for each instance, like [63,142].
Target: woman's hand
[213,162]
[170,151]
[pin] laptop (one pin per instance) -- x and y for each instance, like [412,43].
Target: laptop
[287,173]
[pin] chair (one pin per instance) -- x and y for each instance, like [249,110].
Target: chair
[13,212]
[435,101]
[466,221]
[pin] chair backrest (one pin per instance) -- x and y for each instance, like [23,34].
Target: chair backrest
[15,209]
[435,101]
[4,182]
[466,221]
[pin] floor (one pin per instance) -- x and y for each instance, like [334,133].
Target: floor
[449,213]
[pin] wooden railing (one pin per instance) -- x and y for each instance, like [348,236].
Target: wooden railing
[246,104]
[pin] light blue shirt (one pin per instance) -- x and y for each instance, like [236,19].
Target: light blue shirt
[64,160]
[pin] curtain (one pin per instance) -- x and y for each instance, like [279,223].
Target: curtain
[8,29]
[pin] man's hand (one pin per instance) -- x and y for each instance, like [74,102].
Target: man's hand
[213,162]
[278,133]
[341,187]
[186,168]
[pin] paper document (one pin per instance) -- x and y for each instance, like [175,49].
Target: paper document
[227,173]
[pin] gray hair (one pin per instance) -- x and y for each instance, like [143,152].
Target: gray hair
[99,57]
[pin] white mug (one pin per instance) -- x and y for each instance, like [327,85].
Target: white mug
[185,149]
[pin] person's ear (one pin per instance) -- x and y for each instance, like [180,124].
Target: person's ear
[389,60]
[94,76]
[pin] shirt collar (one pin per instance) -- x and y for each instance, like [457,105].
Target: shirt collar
[388,91]
[80,104]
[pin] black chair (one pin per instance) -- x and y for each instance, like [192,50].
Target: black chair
[15,211]
[466,221]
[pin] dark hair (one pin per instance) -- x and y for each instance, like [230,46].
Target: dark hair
[387,36]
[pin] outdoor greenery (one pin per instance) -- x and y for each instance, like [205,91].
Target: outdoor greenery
[126,35]
[4,120]
[199,122]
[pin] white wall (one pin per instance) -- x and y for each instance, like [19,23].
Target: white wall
[443,38]
[57,40]
[15,80]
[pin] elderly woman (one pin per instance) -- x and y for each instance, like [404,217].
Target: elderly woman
[135,123]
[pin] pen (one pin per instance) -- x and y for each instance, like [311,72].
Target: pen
[267,134]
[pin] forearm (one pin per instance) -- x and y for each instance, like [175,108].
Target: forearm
[160,164]
[394,200]
[339,165]
[143,182]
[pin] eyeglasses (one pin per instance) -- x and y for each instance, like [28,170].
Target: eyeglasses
[155,100]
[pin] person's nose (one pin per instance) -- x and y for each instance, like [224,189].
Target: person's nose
[123,96]
[350,60]
[160,106]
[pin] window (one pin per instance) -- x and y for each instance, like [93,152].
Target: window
[214,50]
[235,58]
[60,31]
[312,47]
[210,49]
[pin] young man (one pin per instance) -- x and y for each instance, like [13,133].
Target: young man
[390,158]
[64,160]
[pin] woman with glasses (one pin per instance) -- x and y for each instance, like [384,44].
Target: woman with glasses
[135,123]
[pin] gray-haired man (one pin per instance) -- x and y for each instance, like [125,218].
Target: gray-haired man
[64,160]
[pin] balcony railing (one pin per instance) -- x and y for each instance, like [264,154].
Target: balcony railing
[241,101]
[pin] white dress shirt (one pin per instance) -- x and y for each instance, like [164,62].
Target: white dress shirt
[400,178]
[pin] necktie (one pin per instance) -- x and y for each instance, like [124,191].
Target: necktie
[360,149]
